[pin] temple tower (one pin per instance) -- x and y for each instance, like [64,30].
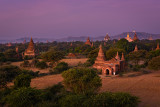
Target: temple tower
[100,56]
[135,38]
[136,49]
[30,51]
[88,42]
[122,58]
[117,56]
[106,38]
[157,46]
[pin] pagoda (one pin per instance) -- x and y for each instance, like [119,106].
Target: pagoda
[157,46]
[136,49]
[135,38]
[150,38]
[101,57]
[128,38]
[30,51]
[106,38]
[88,42]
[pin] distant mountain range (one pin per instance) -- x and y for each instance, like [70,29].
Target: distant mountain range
[141,35]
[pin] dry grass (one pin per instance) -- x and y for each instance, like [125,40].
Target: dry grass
[74,62]
[71,62]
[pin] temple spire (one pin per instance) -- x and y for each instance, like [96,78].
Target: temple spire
[101,56]
[157,46]
[88,42]
[135,38]
[117,56]
[136,49]
[122,58]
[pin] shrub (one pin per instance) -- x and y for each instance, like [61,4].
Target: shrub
[41,65]
[154,63]
[82,80]
[62,66]
[118,99]
[24,97]
[25,64]
[22,81]
[73,101]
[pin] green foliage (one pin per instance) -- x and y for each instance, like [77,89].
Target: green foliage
[62,66]
[25,64]
[52,56]
[2,57]
[152,54]
[73,101]
[34,62]
[111,53]
[93,53]
[125,45]
[41,65]
[154,63]
[24,97]
[137,56]
[9,72]
[82,80]
[22,80]
[114,100]
[10,55]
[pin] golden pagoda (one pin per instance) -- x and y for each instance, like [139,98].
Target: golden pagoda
[30,51]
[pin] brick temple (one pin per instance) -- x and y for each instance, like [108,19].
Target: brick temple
[110,67]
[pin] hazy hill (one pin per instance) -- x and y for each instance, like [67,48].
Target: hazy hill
[141,35]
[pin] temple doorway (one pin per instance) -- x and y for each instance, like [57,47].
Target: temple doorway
[107,72]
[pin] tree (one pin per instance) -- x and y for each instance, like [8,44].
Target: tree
[118,99]
[41,65]
[10,55]
[154,63]
[62,66]
[137,56]
[82,80]
[52,56]
[125,45]
[22,80]
[24,97]
[111,53]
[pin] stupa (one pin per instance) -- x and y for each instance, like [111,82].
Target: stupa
[135,38]
[30,51]
[136,49]
[157,46]
[128,38]
[88,42]
[106,38]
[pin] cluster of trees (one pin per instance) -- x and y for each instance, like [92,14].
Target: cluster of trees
[80,88]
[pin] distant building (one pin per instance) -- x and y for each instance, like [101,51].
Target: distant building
[150,38]
[30,51]
[157,46]
[136,49]
[110,67]
[88,42]
[9,44]
[128,38]
[135,38]
[106,38]
[24,41]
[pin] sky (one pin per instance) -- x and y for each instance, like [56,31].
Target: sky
[63,18]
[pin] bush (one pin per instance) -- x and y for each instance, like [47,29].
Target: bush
[73,101]
[62,66]
[24,97]
[25,64]
[82,80]
[114,100]
[41,65]
[22,81]
[154,64]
